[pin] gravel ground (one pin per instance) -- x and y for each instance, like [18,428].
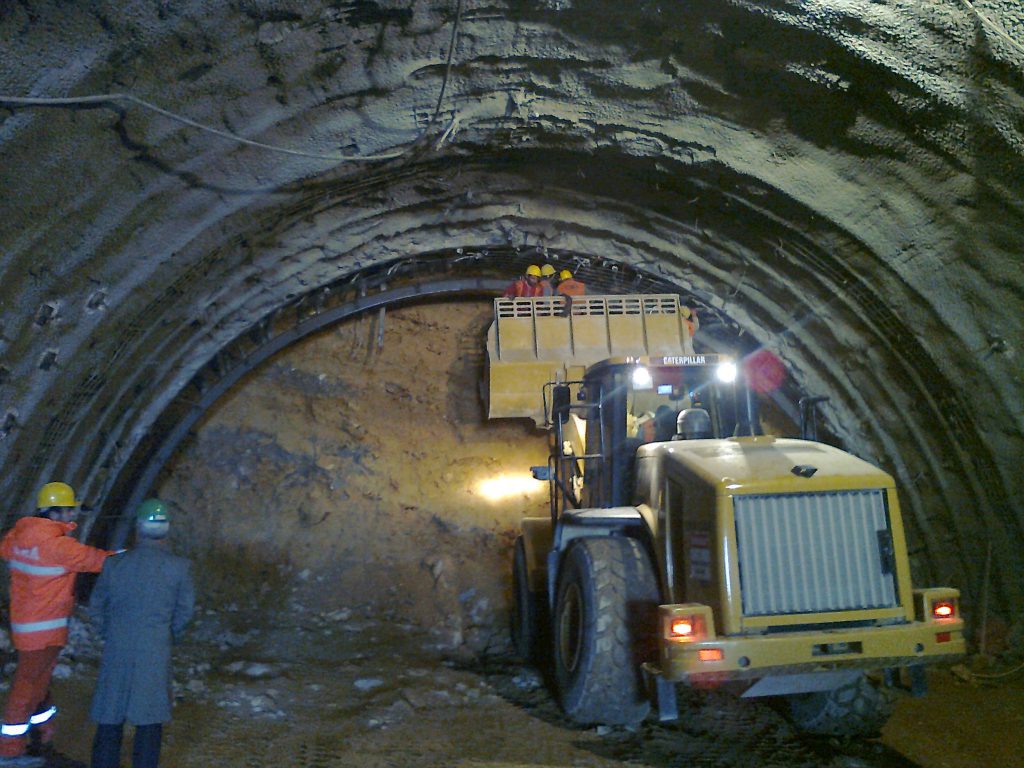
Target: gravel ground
[304,689]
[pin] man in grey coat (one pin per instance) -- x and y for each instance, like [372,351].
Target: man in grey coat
[142,601]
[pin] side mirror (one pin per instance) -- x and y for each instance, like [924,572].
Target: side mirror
[560,401]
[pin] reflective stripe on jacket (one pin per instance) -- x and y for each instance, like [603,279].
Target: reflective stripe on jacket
[43,561]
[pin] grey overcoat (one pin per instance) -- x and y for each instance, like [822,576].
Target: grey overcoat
[142,601]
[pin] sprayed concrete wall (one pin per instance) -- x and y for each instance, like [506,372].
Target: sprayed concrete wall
[844,179]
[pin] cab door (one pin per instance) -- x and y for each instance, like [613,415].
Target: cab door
[608,481]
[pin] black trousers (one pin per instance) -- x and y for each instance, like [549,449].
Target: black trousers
[106,745]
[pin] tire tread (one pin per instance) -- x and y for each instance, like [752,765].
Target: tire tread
[858,708]
[609,690]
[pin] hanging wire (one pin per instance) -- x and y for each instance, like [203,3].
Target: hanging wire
[997,675]
[993,26]
[109,98]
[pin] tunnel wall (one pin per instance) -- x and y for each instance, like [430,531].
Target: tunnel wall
[846,181]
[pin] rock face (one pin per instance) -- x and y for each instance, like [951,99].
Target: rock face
[349,476]
[841,184]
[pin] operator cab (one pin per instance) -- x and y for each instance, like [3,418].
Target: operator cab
[623,403]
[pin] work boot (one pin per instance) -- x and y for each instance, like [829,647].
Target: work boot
[22,761]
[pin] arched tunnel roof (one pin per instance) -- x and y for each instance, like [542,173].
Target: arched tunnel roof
[840,182]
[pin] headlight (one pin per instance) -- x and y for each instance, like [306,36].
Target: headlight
[642,378]
[726,373]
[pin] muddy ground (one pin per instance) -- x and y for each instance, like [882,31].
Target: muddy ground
[353,571]
[303,689]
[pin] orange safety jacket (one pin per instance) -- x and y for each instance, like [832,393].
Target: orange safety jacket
[571,287]
[521,288]
[44,560]
[690,318]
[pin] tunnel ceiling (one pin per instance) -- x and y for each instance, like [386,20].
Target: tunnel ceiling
[839,180]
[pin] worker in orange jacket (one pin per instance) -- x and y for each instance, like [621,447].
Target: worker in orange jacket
[43,561]
[568,285]
[527,286]
[547,280]
[690,318]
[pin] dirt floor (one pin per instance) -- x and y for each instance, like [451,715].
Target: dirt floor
[354,573]
[310,690]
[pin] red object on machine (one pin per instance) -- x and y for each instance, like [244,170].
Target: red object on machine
[764,371]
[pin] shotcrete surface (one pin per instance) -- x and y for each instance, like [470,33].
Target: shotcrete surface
[354,586]
[842,181]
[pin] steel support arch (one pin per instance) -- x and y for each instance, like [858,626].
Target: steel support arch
[156,462]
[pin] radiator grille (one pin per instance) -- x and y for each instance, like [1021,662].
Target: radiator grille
[813,552]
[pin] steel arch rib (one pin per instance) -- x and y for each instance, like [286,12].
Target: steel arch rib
[485,286]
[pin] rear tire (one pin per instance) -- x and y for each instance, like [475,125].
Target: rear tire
[605,627]
[526,608]
[858,708]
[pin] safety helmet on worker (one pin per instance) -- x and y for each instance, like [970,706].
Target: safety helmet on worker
[533,271]
[56,495]
[152,520]
[547,270]
[565,274]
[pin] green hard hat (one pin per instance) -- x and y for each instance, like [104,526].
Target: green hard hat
[152,511]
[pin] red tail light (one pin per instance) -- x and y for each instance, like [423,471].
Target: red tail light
[682,627]
[687,628]
[938,605]
[687,623]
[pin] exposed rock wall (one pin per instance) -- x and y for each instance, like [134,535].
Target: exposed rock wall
[353,472]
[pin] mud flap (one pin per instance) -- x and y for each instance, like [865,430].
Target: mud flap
[662,694]
[917,679]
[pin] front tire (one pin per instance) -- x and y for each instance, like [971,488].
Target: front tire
[605,627]
[858,708]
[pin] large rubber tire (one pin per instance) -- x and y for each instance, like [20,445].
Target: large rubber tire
[858,708]
[526,608]
[606,621]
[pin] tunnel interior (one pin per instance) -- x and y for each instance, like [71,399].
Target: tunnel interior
[762,276]
[210,206]
[352,326]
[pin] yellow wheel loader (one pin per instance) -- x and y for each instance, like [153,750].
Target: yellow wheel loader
[683,548]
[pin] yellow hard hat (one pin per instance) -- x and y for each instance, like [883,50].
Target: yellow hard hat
[565,274]
[547,270]
[534,270]
[56,495]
